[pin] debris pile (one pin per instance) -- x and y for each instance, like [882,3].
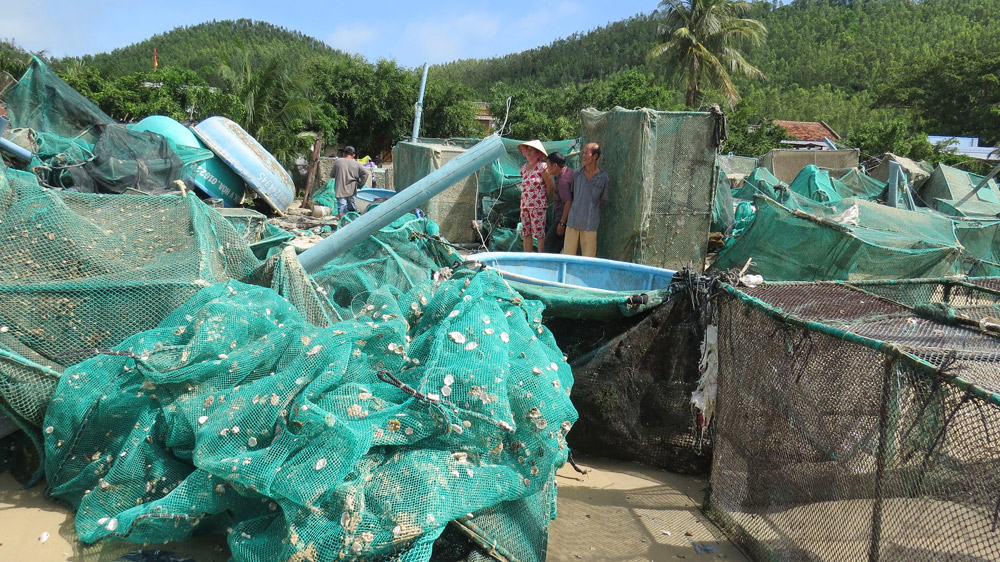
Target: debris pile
[178,373]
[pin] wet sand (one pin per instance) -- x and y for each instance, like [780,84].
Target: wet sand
[617,512]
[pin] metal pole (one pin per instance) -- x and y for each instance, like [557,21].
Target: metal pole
[419,108]
[985,180]
[461,167]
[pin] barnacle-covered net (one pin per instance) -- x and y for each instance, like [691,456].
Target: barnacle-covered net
[365,438]
[177,385]
[859,421]
[84,271]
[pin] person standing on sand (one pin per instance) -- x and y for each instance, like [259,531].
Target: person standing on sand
[558,182]
[589,192]
[348,175]
[533,199]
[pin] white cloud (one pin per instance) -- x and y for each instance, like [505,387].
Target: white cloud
[449,38]
[353,37]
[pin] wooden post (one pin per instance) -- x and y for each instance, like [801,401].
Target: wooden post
[313,170]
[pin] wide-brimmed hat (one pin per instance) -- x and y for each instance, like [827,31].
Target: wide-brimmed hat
[536,144]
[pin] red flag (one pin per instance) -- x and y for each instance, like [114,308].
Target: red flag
[156,63]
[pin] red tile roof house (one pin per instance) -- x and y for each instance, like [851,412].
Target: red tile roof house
[808,135]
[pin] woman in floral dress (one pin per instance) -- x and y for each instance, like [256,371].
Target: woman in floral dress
[533,197]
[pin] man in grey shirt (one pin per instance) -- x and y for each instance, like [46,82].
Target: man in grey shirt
[349,176]
[588,194]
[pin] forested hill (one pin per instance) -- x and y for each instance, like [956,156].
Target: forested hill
[204,46]
[881,71]
[852,44]
[580,57]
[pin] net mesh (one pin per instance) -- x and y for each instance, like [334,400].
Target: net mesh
[858,240]
[634,392]
[857,421]
[174,384]
[365,438]
[75,144]
[663,173]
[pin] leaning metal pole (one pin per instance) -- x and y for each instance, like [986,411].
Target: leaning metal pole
[419,107]
[461,167]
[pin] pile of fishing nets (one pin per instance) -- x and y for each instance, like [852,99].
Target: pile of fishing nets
[176,385]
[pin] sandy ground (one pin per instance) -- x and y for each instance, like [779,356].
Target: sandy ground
[622,511]
[616,512]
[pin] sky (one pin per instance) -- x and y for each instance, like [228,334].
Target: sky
[409,32]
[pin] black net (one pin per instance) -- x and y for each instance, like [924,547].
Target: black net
[633,394]
[857,422]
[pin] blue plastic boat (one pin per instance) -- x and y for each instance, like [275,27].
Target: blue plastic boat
[576,272]
[249,159]
[212,176]
[369,195]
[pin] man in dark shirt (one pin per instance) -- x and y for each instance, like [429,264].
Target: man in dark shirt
[558,182]
[589,192]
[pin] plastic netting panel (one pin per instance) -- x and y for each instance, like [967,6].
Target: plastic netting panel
[44,102]
[971,298]
[834,303]
[663,173]
[830,450]
[964,352]
[84,271]
[362,439]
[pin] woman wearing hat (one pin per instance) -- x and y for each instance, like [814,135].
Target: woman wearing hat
[533,197]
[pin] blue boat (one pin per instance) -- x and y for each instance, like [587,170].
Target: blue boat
[212,176]
[595,275]
[369,195]
[249,159]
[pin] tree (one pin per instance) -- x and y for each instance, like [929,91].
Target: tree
[700,39]
[276,108]
[956,94]
[13,59]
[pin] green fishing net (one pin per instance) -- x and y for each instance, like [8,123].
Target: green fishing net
[364,438]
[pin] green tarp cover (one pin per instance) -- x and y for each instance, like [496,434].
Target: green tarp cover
[814,183]
[980,239]
[808,241]
[948,185]
[760,182]
[856,184]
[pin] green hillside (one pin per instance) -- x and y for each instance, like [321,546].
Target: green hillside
[204,46]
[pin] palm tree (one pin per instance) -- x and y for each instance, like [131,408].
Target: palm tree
[275,105]
[700,39]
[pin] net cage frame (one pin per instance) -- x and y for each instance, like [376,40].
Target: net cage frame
[858,420]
